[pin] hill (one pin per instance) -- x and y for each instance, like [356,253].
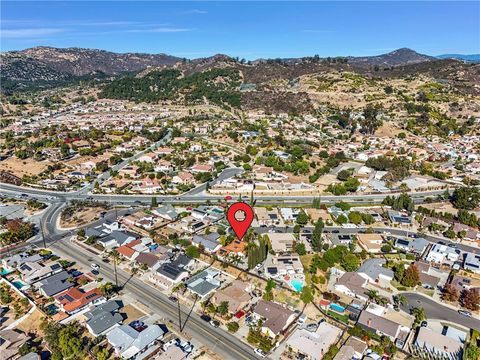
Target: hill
[468,58]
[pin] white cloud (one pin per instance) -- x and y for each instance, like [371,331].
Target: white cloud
[28,33]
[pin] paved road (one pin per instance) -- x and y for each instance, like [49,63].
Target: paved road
[225,174]
[219,341]
[437,311]
[13,190]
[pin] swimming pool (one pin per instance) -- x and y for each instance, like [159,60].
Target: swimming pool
[4,271]
[297,284]
[18,284]
[337,308]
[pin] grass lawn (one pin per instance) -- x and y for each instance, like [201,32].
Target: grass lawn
[343,318]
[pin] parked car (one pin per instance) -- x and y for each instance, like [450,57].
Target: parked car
[465,313]
[186,346]
[260,353]
[94,266]
[205,317]
[138,325]
[173,298]
[215,323]
[423,323]
[168,344]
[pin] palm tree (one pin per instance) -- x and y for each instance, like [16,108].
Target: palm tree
[115,256]
[372,295]
[402,300]
[134,270]
[419,314]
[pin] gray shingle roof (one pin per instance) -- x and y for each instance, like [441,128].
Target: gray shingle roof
[374,267]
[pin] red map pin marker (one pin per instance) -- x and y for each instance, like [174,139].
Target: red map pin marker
[244,217]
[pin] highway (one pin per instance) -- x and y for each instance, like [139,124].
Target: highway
[437,311]
[200,197]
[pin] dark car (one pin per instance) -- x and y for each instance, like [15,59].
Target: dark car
[205,317]
[172,298]
[335,231]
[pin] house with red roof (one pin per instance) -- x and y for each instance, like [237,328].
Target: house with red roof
[75,299]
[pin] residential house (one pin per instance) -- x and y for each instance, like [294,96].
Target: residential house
[75,299]
[204,283]
[173,272]
[31,272]
[102,318]
[164,166]
[237,294]
[314,345]
[281,242]
[279,265]
[353,285]
[10,343]
[129,343]
[117,238]
[416,245]
[147,260]
[399,218]
[11,262]
[354,348]
[472,262]
[376,322]
[437,345]
[130,171]
[166,212]
[427,279]
[374,271]
[54,284]
[210,242]
[372,243]
[276,317]
[200,168]
[184,178]
[443,254]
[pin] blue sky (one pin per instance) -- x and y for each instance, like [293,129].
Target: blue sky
[245,29]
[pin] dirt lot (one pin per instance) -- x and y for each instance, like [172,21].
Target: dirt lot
[23,167]
[82,217]
[132,313]
[32,323]
[441,207]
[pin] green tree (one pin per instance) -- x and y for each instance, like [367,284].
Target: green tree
[154,203]
[222,309]
[302,218]
[192,251]
[300,249]
[306,295]
[233,326]
[355,217]
[467,198]
[350,262]
[341,219]
[317,235]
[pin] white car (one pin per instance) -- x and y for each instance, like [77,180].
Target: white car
[168,344]
[95,266]
[260,352]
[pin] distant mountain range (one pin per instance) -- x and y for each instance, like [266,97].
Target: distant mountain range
[468,58]
[47,66]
